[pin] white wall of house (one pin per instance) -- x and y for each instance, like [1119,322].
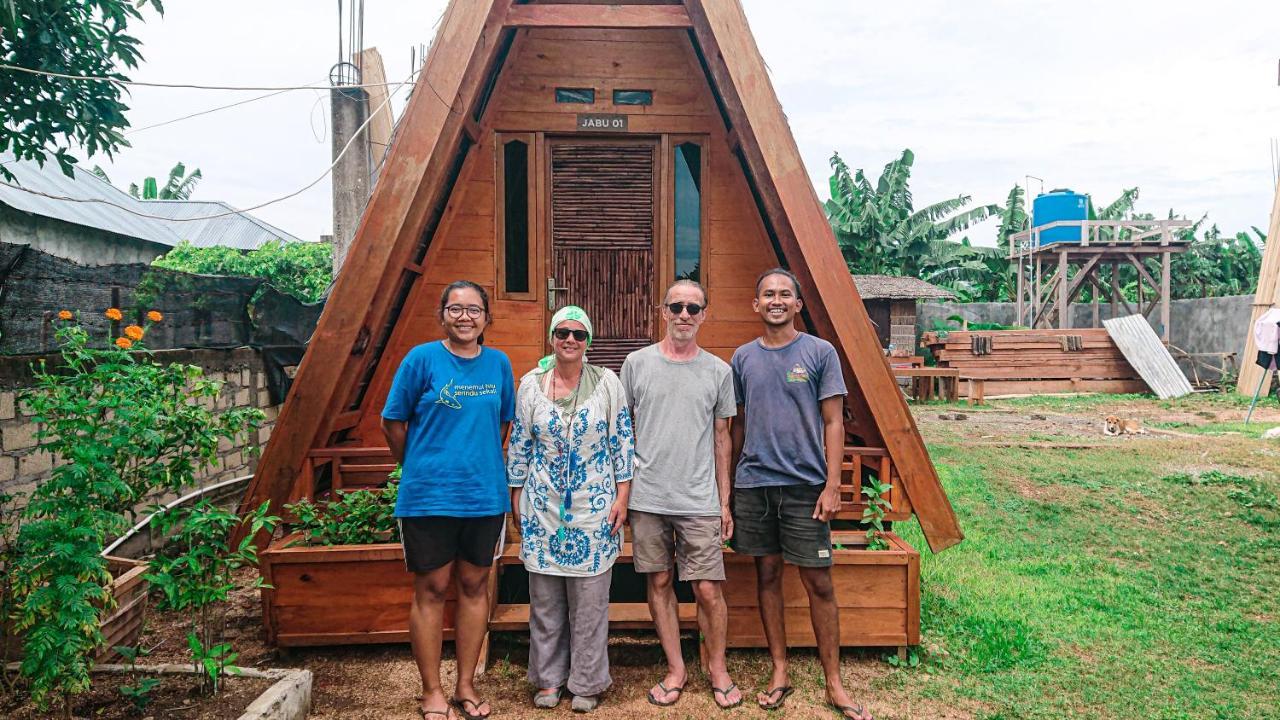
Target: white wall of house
[84,245]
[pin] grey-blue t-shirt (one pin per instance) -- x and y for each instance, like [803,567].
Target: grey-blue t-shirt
[781,390]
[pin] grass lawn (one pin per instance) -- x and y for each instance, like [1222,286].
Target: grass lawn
[1140,579]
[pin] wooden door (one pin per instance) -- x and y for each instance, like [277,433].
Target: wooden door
[603,219]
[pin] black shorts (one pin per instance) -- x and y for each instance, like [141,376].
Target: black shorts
[773,520]
[433,542]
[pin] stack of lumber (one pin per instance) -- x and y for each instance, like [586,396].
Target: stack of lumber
[1033,362]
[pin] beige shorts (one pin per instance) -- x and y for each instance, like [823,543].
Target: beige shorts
[694,542]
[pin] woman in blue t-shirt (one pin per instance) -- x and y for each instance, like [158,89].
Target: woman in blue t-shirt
[445,418]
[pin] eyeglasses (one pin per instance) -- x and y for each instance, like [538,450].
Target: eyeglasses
[472,311]
[679,307]
[564,333]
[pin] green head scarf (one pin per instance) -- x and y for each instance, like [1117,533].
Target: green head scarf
[568,312]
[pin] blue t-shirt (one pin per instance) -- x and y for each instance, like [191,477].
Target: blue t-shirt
[455,408]
[781,390]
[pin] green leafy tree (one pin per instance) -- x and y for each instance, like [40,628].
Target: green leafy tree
[198,578]
[880,232]
[303,270]
[120,426]
[44,115]
[179,186]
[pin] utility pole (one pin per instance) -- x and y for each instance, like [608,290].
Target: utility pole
[349,112]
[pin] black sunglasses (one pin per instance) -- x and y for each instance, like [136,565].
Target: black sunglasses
[564,333]
[677,308]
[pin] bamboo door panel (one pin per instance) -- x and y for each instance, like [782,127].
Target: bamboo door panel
[602,231]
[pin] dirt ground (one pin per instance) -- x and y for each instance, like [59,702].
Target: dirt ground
[380,682]
[176,697]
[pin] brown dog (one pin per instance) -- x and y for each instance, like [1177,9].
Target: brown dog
[1114,425]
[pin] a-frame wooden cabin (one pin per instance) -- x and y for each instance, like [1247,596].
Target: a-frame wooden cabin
[587,153]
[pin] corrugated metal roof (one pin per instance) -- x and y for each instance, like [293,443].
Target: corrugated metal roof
[108,208]
[893,287]
[241,231]
[1147,354]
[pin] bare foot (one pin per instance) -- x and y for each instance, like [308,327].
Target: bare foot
[673,682]
[731,695]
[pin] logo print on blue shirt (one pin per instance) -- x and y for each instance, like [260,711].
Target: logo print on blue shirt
[447,398]
[798,374]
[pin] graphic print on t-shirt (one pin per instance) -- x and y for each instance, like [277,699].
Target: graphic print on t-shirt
[450,395]
[797,374]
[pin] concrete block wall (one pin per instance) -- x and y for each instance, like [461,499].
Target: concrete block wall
[23,466]
[1198,325]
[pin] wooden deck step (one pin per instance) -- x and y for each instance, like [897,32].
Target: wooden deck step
[622,616]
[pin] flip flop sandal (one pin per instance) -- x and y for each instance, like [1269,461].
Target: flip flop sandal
[427,714]
[844,710]
[782,691]
[724,692]
[666,691]
[460,704]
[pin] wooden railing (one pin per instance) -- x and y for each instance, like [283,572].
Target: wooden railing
[356,468]
[878,462]
[350,468]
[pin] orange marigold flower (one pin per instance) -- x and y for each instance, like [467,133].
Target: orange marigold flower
[114,314]
[133,332]
[155,316]
[124,343]
[65,315]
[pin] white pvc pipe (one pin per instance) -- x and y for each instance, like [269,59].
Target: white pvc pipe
[169,506]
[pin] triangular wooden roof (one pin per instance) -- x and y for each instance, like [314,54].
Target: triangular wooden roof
[443,119]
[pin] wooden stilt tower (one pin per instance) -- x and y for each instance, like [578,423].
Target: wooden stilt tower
[1050,276]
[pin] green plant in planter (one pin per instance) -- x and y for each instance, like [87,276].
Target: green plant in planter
[120,427]
[198,577]
[873,515]
[358,517]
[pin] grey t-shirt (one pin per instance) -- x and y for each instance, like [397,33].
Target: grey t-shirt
[674,405]
[780,389]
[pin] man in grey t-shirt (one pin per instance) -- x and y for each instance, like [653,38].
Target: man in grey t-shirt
[789,441]
[681,400]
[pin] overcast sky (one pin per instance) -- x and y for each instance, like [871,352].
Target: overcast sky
[1178,98]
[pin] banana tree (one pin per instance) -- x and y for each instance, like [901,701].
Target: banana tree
[179,186]
[881,233]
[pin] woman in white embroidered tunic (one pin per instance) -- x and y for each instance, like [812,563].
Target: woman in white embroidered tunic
[569,466]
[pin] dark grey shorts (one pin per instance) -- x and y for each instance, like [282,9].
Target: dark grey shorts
[773,520]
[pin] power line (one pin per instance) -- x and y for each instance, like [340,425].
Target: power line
[136,83]
[206,112]
[299,191]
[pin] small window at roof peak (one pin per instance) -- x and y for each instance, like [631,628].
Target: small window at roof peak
[576,95]
[632,97]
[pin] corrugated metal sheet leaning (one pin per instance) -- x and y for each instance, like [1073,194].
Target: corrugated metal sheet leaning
[1147,354]
[105,209]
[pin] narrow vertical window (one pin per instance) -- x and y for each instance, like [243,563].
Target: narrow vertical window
[688,207]
[515,218]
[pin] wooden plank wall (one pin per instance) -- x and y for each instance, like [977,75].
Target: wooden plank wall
[736,247]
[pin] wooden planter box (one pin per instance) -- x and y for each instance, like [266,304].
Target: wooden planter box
[337,595]
[356,594]
[877,593]
[121,626]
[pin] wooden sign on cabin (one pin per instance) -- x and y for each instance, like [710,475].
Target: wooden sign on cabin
[502,176]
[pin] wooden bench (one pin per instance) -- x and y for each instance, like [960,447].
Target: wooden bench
[928,383]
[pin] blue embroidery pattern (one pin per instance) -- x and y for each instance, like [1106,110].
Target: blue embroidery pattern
[570,485]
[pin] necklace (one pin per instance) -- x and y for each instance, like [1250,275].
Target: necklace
[566,501]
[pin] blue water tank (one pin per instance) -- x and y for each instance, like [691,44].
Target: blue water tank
[1058,205]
